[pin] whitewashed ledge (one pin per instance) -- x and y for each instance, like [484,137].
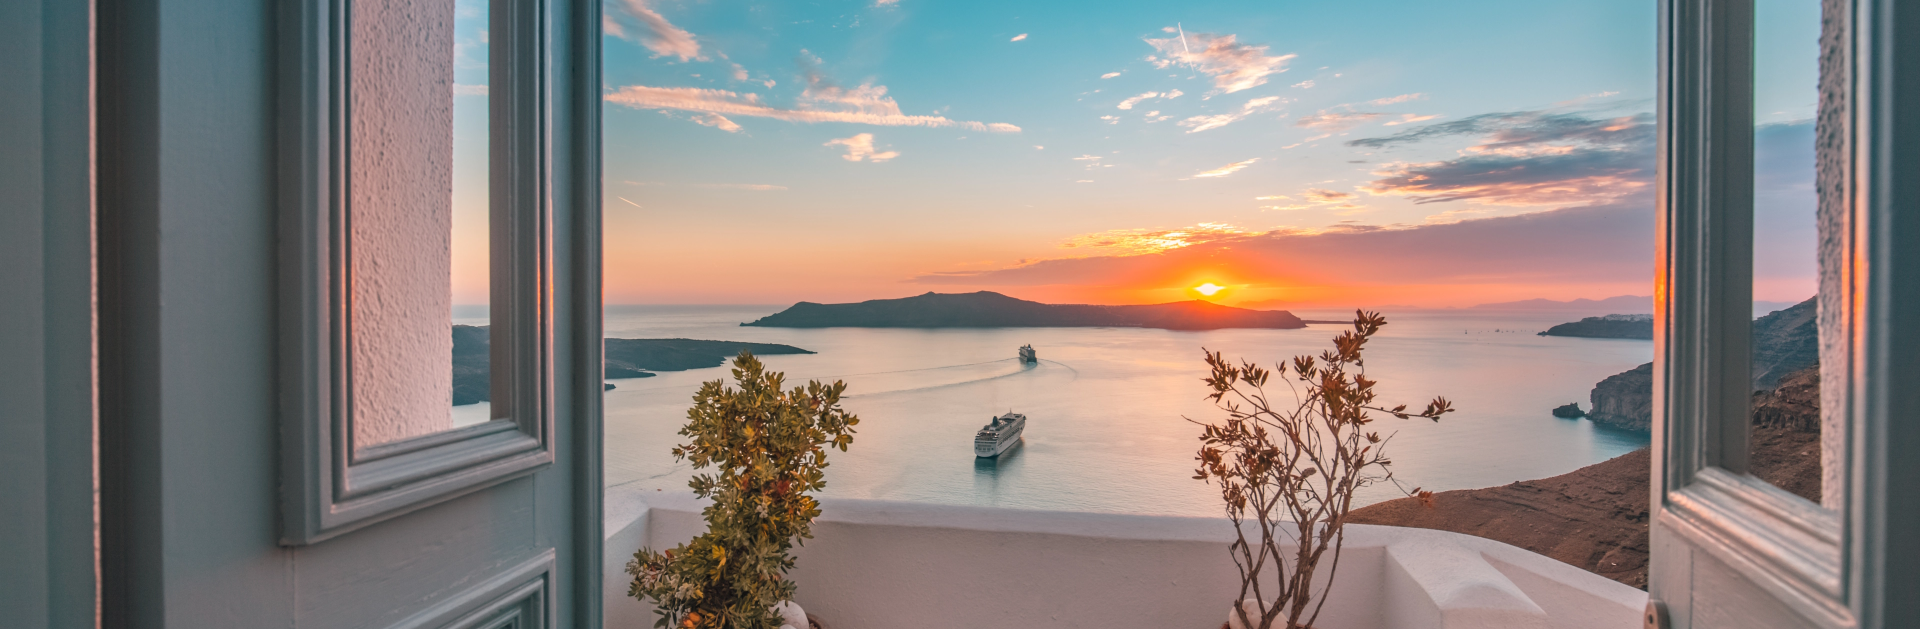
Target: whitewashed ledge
[877,564]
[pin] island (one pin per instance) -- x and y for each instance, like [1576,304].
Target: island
[1614,326]
[625,358]
[986,309]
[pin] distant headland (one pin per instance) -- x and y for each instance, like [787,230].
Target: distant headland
[625,358]
[987,309]
[1614,326]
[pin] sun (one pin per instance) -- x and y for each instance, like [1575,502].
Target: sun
[1209,289]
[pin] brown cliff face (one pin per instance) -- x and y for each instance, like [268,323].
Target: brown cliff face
[1594,517]
[1624,400]
[1784,342]
[1785,442]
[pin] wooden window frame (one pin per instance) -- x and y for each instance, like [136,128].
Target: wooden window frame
[1844,565]
[328,486]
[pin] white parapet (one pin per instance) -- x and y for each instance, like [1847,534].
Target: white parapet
[877,564]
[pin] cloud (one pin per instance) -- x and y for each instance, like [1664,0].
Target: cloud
[1527,250]
[740,73]
[1336,121]
[1251,107]
[1233,66]
[717,121]
[469,90]
[1018,37]
[1323,195]
[1130,102]
[1305,85]
[1274,197]
[1527,158]
[885,3]
[1128,242]
[860,147]
[1224,170]
[866,104]
[1390,100]
[1410,118]
[1109,75]
[634,20]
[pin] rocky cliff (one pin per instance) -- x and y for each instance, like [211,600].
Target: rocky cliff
[1784,342]
[1624,400]
[1596,517]
[987,309]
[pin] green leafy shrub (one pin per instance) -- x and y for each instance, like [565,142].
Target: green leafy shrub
[1293,469]
[770,448]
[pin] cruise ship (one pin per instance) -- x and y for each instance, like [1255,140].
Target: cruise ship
[998,435]
[1027,355]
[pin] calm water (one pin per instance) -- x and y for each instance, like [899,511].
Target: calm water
[1104,406]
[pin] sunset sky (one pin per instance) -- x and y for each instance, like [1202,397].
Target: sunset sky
[1298,154]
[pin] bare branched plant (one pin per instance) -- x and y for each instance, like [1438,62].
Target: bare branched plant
[1293,470]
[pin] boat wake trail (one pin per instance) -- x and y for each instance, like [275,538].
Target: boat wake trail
[912,380]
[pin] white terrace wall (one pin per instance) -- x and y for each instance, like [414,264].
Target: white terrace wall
[890,565]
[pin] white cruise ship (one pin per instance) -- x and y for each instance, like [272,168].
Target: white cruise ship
[998,435]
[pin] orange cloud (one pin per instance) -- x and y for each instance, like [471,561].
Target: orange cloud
[1224,170]
[1233,66]
[650,29]
[860,147]
[866,104]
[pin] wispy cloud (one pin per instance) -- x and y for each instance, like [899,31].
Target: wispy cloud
[1130,242]
[1251,107]
[1135,100]
[1323,195]
[1234,66]
[1224,170]
[866,104]
[1527,158]
[717,121]
[860,147]
[460,89]
[1336,120]
[634,20]
[1409,119]
[1018,37]
[885,3]
[1305,85]
[1391,100]
[1109,75]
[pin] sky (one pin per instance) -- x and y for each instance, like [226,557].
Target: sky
[1300,154]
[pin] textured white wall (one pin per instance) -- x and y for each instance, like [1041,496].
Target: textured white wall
[883,565]
[402,218]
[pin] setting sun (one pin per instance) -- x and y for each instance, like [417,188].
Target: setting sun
[1208,289]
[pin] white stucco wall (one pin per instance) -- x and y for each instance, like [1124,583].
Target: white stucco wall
[882,565]
[401,218]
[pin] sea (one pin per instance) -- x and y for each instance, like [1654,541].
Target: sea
[1110,411]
